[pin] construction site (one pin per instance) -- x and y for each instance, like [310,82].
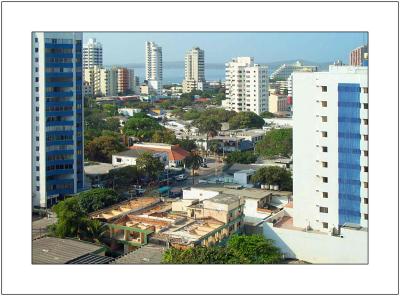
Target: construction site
[180,224]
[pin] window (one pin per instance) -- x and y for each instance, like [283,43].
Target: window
[365,184]
[119,159]
[365,169]
[37,99]
[37,138]
[36,49]
[324,88]
[324,149]
[324,134]
[365,105]
[37,108]
[365,121]
[325,179]
[37,188]
[365,137]
[323,209]
[37,178]
[365,201]
[325,194]
[324,118]
[365,90]
[365,216]
[324,103]
[37,158]
[324,225]
[365,152]
[37,168]
[324,164]
[36,40]
[36,60]
[36,88]
[37,70]
[37,148]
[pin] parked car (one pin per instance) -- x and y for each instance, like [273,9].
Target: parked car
[204,165]
[181,177]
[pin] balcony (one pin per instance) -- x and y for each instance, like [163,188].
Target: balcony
[60,84]
[60,172]
[59,94]
[60,113]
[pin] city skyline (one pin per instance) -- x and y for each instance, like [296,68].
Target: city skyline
[266,47]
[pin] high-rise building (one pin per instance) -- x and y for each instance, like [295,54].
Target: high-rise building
[284,71]
[246,86]
[277,103]
[359,56]
[57,117]
[123,80]
[194,70]
[330,148]
[92,54]
[154,66]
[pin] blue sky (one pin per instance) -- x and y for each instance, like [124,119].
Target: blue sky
[121,48]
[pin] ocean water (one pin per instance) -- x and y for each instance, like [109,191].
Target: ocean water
[176,74]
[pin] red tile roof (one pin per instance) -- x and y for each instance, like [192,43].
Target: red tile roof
[175,152]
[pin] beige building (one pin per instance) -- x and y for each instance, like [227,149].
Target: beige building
[101,80]
[277,103]
[194,70]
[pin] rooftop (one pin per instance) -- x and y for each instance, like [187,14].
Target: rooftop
[51,250]
[224,198]
[98,168]
[124,208]
[175,153]
[132,153]
[148,254]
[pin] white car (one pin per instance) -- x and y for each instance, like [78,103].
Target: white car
[181,177]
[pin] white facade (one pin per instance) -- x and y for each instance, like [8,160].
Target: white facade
[284,71]
[194,70]
[128,111]
[154,67]
[92,54]
[246,86]
[330,178]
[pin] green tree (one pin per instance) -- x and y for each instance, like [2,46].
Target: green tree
[187,144]
[209,126]
[241,157]
[96,230]
[164,136]
[96,199]
[193,162]
[149,165]
[274,175]
[240,249]
[245,120]
[124,177]
[267,114]
[102,148]
[141,126]
[276,143]
[112,124]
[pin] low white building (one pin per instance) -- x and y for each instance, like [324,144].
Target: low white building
[244,177]
[129,157]
[129,111]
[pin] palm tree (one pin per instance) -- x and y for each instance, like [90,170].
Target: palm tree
[96,230]
[193,161]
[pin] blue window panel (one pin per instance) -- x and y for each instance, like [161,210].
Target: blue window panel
[60,133]
[60,152]
[60,181]
[56,143]
[59,55]
[51,45]
[59,74]
[60,172]
[365,63]
[59,93]
[60,104]
[59,65]
[60,191]
[349,153]
[60,161]
[79,129]
[59,123]
[60,113]
[60,84]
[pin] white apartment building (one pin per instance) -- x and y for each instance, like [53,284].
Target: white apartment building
[277,103]
[330,148]
[194,70]
[246,86]
[57,117]
[92,54]
[104,82]
[154,67]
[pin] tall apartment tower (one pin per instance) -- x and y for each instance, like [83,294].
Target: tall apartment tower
[330,148]
[92,54]
[154,67]
[194,70]
[57,117]
[246,86]
[359,56]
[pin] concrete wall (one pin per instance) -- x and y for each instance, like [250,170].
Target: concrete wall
[125,160]
[200,194]
[352,248]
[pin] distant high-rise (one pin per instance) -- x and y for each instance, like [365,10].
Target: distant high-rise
[92,54]
[154,67]
[359,56]
[284,71]
[330,148]
[57,117]
[246,86]
[194,70]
